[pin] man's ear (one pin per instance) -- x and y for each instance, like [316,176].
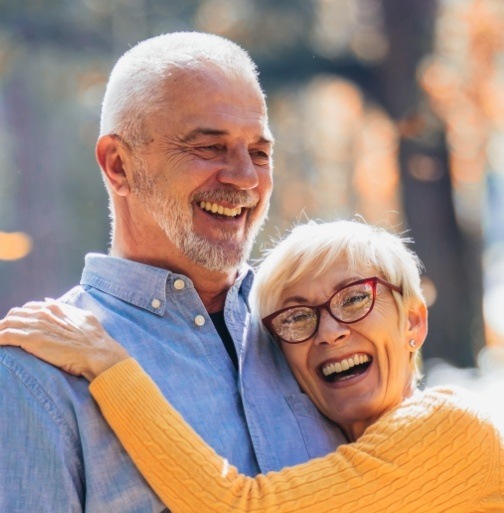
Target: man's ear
[417,323]
[113,158]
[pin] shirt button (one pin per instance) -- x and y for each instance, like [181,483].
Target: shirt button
[199,320]
[179,284]
[156,303]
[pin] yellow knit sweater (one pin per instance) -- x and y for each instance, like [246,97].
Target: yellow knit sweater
[431,454]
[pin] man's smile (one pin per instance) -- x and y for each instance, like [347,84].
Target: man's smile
[220,210]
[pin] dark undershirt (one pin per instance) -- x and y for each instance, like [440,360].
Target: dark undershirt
[220,326]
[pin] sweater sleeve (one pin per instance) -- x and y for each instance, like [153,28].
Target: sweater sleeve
[426,456]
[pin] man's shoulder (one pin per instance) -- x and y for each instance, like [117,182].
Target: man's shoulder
[31,385]
[28,377]
[72,295]
[100,303]
[36,376]
[36,384]
[76,296]
[55,434]
[27,368]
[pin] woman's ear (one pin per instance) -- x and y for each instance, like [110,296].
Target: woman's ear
[416,324]
[113,158]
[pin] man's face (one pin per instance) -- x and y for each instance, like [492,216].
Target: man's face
[204,177]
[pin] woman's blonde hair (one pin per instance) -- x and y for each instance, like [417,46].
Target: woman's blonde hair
[312,248]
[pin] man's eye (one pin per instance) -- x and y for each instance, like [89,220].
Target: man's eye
[209,151]
[260,156]
[210,147]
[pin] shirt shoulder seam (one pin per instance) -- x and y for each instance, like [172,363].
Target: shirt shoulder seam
[43,398]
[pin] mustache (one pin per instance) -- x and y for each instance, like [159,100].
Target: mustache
[246,199]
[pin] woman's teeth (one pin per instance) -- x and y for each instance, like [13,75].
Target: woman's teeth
[345,364]
[219,209]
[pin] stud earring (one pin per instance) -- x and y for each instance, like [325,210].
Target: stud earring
[412,343]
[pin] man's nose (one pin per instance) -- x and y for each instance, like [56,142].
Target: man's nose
[330,330]
[239,170]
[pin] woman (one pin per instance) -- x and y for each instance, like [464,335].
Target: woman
[343,301]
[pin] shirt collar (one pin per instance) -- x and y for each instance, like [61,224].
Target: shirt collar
[143,285]
[244,283]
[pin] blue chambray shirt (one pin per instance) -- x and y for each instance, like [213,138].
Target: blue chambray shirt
[58,454]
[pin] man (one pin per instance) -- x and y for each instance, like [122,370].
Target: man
[185,150]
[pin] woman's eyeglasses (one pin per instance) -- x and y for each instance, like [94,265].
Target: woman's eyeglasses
[349,304]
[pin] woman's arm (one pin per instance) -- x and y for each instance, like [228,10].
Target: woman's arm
[429,457]
[426,455]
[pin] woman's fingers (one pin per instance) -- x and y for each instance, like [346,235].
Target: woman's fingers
[50,316]
[12,336]
[24,325]
[62,335]
[42,344]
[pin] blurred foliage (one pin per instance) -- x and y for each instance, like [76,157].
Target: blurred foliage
[391,109]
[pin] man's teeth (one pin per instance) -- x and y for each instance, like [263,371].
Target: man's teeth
[344,364]
[219,209]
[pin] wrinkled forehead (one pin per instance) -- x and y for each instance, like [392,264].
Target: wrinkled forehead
[210,100]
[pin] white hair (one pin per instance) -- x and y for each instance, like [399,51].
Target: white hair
[133,88]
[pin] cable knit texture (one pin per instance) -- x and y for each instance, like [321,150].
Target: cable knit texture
[434,453]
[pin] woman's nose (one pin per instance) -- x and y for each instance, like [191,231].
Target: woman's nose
[330,330]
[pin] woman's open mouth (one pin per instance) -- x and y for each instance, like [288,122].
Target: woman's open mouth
[346,368]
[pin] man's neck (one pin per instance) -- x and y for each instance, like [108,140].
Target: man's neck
[211,286]
[213,299]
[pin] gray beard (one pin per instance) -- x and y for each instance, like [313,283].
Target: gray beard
[222,257]
[176,220]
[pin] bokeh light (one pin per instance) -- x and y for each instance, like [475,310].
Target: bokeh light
[15,245]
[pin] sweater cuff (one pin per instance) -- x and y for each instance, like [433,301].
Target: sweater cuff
[124,380]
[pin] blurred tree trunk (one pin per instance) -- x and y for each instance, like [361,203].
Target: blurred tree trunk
[451,258]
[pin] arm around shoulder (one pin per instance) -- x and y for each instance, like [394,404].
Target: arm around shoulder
[423,453]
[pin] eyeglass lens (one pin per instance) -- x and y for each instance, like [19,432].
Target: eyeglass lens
[347,305]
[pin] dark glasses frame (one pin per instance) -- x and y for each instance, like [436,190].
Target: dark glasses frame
[268,320]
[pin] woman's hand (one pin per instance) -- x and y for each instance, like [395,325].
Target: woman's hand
[62,335]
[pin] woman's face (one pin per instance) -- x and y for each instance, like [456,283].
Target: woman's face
[356,397]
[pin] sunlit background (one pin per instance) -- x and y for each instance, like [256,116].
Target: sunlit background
[390,109]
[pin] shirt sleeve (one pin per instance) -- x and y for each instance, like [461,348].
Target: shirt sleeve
[39,467]
[428,456]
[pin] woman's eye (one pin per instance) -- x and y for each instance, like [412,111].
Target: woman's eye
[352,300]
[297,317]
